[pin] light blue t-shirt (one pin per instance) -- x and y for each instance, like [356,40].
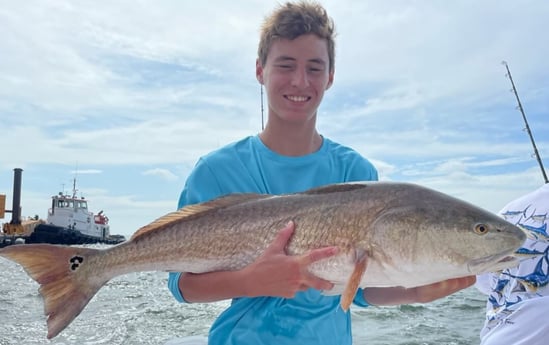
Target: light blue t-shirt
[249,166]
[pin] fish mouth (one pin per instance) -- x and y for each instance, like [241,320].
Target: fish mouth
[492,263]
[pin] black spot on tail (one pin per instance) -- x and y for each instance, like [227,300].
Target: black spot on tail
[75,262]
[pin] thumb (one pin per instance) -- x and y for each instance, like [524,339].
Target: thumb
[281,239]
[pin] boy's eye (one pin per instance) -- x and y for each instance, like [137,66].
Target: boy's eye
[316,68]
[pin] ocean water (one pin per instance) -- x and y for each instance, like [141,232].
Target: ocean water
[138,309]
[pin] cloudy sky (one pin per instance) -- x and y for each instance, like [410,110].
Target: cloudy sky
[126,95]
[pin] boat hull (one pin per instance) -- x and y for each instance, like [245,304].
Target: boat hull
[52,234]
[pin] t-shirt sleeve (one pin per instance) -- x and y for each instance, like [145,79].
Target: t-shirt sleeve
[359,299]
[360,168]
[201,186]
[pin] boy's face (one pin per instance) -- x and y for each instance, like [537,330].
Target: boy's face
[295,75]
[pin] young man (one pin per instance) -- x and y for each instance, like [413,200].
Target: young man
[275,299]
[518,302]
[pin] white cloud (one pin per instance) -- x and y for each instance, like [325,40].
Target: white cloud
[127,87]
[162,173]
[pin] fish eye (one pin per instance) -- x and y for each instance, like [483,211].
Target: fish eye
[481,229]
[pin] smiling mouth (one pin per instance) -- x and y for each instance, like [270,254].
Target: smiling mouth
[298,98]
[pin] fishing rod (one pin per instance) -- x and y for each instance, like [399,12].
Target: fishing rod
[536,153]
[262,116]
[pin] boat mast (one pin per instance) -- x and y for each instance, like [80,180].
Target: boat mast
[536,153]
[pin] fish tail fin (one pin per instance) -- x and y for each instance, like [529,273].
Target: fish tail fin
[65,288]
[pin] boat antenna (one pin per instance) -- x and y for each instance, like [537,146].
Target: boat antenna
[74,190]
[74,187]
[262,116]
[527,128]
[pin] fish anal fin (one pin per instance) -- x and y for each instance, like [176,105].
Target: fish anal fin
[197,210]
[354,281]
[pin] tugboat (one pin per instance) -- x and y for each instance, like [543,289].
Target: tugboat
[68,222]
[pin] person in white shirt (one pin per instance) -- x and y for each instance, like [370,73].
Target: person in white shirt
[517,309]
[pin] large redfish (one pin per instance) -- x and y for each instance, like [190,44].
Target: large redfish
[388,234]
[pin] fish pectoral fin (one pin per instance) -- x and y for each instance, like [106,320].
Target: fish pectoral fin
[351,288]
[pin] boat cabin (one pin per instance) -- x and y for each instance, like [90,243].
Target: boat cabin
[71,212]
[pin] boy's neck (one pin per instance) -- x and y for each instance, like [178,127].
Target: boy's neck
[291,139]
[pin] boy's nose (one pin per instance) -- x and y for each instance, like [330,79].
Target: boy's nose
[300,79]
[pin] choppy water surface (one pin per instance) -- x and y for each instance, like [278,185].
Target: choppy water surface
[138,309]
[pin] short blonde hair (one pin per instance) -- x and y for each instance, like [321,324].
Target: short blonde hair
[295,19]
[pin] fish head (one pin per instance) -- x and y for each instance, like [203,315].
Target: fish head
[421,231]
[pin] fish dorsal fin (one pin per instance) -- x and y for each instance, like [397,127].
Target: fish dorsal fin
[336,188]
[196,210]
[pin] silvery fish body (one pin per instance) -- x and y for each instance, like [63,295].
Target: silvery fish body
[388,234]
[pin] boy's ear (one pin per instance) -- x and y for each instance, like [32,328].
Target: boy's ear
[330,80]
[259,71]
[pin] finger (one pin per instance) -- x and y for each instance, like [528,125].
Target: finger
[282,238]
[318,254]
